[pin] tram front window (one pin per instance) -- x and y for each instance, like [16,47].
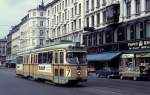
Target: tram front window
[76,57]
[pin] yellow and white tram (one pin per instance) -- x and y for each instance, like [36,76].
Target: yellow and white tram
[60,63]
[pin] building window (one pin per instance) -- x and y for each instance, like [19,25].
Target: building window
[142,34]
[63,4]
[33,32]
[132,32]
[141,30]
[87,6]
[147,29]
[34,13]
[98,3]
[75,9]
[72,26]
[79,9]
[66,3]
[138,6]
[121,34]
[41,32]
[109,36]
[104,17]
[41,41]
[41,13]
[92,5]
[85,40]
[100,38]
[98,19]
[41,23]
[79,23]
[128,6]
[90,40]
[48,12]
[72,12]
[75,24]
[147,5]
[95,39]
[104,2]
[92,20]
[87,21]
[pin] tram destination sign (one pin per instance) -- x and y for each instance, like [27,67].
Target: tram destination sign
[139,45]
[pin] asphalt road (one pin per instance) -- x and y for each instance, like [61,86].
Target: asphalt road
[12,85]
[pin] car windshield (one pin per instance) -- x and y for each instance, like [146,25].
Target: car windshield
[76,57]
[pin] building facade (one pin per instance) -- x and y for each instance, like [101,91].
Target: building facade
[3,51]
[65,20]
[29,34]
[33,29]
[118,26]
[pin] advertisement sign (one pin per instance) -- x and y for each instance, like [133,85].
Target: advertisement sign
[139,45]
[44,68]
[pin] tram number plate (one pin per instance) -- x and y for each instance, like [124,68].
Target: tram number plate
[44,68]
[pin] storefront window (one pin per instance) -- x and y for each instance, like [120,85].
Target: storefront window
[100,38]
[121,34]
[132,32]
[109,36]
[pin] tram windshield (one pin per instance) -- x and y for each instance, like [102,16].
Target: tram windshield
[76,57]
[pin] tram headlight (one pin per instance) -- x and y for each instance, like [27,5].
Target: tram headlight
[78,72]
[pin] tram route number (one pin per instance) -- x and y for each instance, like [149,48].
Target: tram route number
[68,73]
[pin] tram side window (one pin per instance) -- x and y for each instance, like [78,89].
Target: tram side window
[44,57]
[56,58]
[20,60]
[50,57]
[40,58]
[32,59]
[61,57]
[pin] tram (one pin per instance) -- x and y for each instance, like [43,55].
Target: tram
[61,63]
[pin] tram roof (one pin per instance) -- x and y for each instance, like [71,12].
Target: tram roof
[62,46]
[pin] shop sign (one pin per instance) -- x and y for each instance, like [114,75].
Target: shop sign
[127,56]
[139,45]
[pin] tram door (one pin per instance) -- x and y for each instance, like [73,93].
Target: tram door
[58,71]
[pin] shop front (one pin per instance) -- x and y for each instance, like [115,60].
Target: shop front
[135,62]
[103,60]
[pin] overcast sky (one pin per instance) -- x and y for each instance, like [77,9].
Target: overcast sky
[11,12]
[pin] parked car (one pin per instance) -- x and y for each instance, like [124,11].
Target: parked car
[107,72]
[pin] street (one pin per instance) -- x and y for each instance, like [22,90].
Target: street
[10,84]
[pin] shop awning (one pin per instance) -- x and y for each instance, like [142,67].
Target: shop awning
[107,56]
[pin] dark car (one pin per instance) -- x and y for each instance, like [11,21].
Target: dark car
[107,72]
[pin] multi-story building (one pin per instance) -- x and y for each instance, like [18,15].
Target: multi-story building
[65,20]
[3,51]
[29,34]
[13,43]
[33,29]
[117,27]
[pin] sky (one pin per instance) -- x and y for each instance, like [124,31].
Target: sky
[11,12]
